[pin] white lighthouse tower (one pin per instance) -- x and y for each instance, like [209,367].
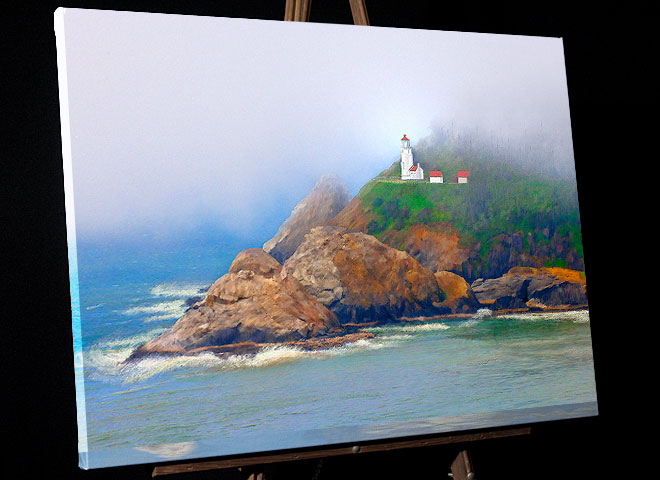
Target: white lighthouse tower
[409,171]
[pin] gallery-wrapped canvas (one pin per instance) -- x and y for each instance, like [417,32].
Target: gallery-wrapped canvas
[290,235]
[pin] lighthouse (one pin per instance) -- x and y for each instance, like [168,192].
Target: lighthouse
[409,171]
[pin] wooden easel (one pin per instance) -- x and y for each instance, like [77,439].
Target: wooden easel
[460,468]
[298,11]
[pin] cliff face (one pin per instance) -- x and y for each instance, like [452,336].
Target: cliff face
[440,246]
[507,251]
[434,246]
[256,301]
[361,279]
[328,197]
[353,216]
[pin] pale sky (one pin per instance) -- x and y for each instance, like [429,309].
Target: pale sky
[180,118]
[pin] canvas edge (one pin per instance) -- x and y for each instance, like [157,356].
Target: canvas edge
[74,290]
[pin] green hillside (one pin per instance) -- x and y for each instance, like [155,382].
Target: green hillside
[499,201]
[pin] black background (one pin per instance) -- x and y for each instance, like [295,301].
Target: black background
[613,90]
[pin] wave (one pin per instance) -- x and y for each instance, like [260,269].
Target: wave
[395,328]
[161,310]
[150,366]
[575,316]
[476,319]
[427,327]
[169,309]
[482,313]
[106,359]
[431,326]
[177,289]
[129,342]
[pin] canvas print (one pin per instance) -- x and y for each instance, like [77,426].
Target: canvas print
[289,235]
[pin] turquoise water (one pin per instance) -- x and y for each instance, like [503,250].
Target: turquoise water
[405,373]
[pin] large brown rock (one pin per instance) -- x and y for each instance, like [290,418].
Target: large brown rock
[528,287]
[255,302]
[459,295]
[361,279]
[328,197]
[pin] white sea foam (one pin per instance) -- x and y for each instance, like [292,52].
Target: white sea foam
[129,342]
[396,337]
[482,313]
[176,289]
[150,366]
[269,356]
[576,316]
[406,328]
[107,358]
[169,309]
[427,327]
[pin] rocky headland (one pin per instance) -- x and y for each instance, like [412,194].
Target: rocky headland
[256,302]
[322,278]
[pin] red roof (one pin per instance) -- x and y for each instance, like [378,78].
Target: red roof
[463,173]
[435,173]
[404,137]
[413,168]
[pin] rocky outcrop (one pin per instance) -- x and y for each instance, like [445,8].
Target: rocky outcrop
[361,279]
[535,288]
[328,197]
[459,295]
[255,302]
[434,246]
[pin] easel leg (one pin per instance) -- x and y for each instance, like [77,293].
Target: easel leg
[252,473]
[461,467]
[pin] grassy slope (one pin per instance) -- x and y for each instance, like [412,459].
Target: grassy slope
[499,198]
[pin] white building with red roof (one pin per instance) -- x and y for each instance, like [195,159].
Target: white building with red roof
[462,176]
[409,171]
[436,176]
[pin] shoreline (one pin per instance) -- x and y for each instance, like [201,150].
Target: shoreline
[494,313]
[328,342]
[252,348]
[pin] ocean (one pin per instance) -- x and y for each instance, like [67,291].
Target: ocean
[412,378]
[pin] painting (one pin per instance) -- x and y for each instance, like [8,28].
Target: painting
[285,235]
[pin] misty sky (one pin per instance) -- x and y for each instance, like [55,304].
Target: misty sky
[177,120]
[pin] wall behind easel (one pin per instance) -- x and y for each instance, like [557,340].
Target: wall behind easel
[613,99]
